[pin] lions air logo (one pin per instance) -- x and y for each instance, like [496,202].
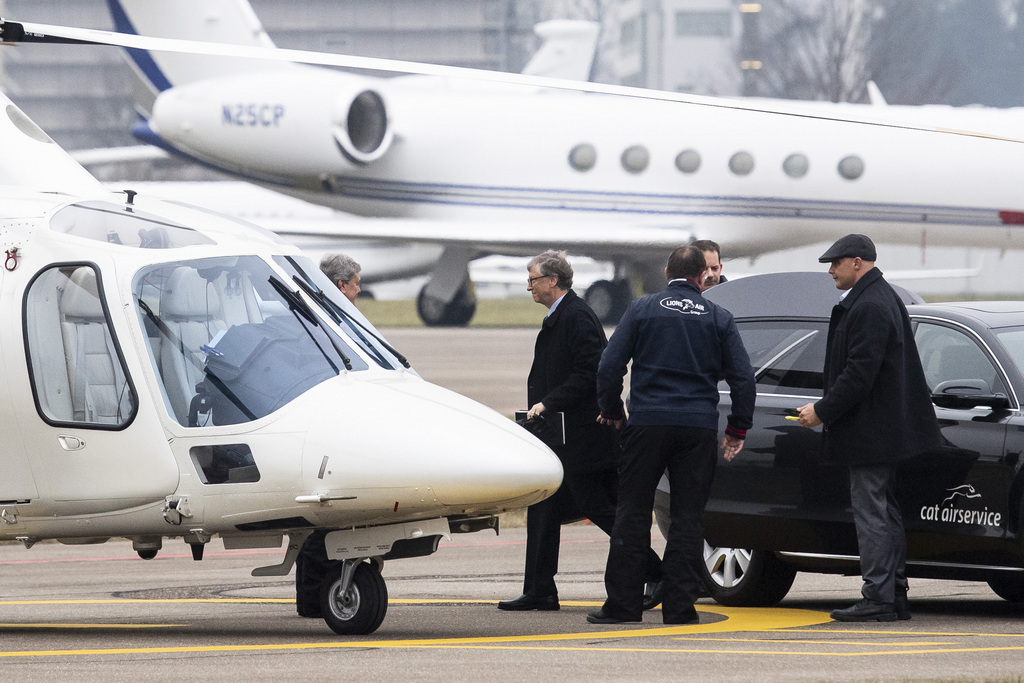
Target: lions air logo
[684,306]
[951,509]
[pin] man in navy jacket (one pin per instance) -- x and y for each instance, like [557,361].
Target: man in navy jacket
[876,410]
[681,345]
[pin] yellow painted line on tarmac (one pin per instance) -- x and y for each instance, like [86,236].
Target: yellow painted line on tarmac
[737,620]
[787,641]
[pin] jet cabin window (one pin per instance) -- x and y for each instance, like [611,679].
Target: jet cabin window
[78,372]
[232,341]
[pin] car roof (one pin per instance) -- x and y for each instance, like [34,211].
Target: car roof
[991,314]
[785,295]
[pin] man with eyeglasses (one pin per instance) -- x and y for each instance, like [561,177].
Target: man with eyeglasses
[563,379]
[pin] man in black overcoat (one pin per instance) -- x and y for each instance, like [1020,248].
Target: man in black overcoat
[563,379]
[877,410]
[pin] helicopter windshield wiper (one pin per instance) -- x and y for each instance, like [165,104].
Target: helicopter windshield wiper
[300,308]
[338,314]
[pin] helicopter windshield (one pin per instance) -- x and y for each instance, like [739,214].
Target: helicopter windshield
[230,341]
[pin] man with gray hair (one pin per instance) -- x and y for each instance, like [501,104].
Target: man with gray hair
[563,379]
[312,563]
[344,272]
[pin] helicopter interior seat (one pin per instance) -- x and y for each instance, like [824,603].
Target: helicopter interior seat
[190,307]
[99,389]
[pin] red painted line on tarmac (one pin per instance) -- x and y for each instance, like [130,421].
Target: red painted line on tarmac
[169,556]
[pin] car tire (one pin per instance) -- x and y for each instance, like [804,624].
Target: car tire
[1008,587]
[746,578]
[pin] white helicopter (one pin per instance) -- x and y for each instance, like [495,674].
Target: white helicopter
[173,373]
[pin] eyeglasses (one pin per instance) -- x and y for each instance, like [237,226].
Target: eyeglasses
[529,280]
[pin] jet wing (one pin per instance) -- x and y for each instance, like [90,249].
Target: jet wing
[599,240]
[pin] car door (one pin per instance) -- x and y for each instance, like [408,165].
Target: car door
[779,493]
[955,499]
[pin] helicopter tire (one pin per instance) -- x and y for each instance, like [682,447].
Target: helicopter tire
[361,609]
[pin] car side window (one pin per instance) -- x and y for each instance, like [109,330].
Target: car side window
[949,354]
[787,356]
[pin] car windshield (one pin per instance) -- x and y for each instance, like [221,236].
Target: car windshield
[231,341]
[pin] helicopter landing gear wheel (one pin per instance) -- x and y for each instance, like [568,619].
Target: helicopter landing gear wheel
[357,608]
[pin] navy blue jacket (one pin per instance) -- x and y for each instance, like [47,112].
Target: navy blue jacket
[877,406]
[681,346]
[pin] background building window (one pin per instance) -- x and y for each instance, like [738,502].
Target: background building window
[704,24]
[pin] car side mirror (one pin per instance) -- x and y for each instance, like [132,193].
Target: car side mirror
[964,394]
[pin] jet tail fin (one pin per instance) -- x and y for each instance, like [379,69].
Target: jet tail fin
[567,51]
[221,21]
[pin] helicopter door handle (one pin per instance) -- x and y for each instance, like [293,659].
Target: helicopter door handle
[70,443]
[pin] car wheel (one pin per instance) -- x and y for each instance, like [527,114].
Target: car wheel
[746,578]
[1008,587]
[358,610]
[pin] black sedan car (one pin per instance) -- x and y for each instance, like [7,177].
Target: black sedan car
[779,508]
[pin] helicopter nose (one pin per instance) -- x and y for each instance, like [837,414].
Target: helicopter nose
[405,432]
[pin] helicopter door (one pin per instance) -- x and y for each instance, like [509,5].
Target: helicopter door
[89,442]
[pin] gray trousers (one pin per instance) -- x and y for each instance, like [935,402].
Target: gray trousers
[881,540]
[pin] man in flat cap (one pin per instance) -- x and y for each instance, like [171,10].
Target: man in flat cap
[877,410]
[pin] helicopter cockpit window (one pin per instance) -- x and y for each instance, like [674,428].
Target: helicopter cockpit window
[119,224]
[78,372]
[349,319]
[231,342]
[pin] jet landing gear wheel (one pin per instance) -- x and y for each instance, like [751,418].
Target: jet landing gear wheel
[746,578]
[456,313]
[608,299]
[360,609]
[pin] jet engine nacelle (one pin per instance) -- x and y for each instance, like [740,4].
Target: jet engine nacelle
[293,121]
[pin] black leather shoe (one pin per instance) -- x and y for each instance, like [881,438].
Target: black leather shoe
[902,606]
[599,616]
[866,610]
[546,603]
[687,618]
[652,594]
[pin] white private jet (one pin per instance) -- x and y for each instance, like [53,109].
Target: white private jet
[169,372]
[511,164]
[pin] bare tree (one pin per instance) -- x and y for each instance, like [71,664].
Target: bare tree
[815,49]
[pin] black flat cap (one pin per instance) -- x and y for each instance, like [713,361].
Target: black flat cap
[852,246]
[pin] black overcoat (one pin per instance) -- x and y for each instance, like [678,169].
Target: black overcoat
[564,378]
[876,407]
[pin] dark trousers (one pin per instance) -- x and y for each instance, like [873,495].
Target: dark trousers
[689,454]
[310,568]
[881,540]
[582,494]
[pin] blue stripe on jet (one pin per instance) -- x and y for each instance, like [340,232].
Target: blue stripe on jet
[143,60]
[647,204]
